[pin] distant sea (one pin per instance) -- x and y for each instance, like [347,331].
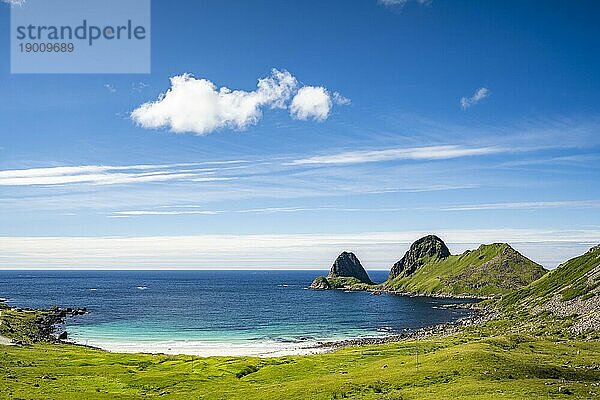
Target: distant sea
[217,312]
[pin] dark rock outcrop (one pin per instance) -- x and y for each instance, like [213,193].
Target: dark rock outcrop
[348,265]
[422,250]
[320,283]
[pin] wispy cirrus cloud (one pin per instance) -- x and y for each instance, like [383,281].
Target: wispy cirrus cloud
[189,210]
[480,94]
[526,205]
[185,210]
[198,106]
[410,153]
[107,174]
[14,2]
[577,159]
[137,213]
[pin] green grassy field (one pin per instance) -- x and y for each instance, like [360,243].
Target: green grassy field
[513,357]
[471,365]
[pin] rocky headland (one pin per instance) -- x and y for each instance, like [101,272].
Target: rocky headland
[26,325]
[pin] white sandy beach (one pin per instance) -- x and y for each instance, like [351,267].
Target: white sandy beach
[4,341]
[209,349]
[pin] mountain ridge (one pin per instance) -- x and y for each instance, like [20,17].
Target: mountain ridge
[428,268]
[490,270]
[572,290]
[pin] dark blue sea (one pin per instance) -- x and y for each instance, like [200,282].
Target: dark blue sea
[217,312]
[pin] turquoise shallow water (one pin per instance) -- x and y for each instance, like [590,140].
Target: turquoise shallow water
[218,306]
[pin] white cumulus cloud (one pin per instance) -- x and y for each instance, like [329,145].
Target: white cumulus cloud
[198,106]
[480,94]
[311,102]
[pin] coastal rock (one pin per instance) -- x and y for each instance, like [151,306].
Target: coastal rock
[320,283]
[348,265]
[421,251]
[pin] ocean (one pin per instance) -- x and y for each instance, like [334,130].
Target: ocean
[218,312]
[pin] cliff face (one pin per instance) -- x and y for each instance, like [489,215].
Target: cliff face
[345,271]
[420,252]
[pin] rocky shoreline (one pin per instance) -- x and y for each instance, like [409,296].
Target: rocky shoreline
[45,322]
[376,291]
[480,315]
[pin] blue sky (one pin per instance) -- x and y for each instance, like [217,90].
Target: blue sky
[479,120]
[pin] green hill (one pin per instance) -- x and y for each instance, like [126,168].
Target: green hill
[571,290]
[493,269]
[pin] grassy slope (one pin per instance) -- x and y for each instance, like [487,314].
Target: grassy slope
[490,270]
[339,282]
[570,280]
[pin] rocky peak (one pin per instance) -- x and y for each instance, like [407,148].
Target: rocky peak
[426,248]
[348,265]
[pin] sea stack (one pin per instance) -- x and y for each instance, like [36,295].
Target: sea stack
[346,270]
[348,265]
[425,249]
